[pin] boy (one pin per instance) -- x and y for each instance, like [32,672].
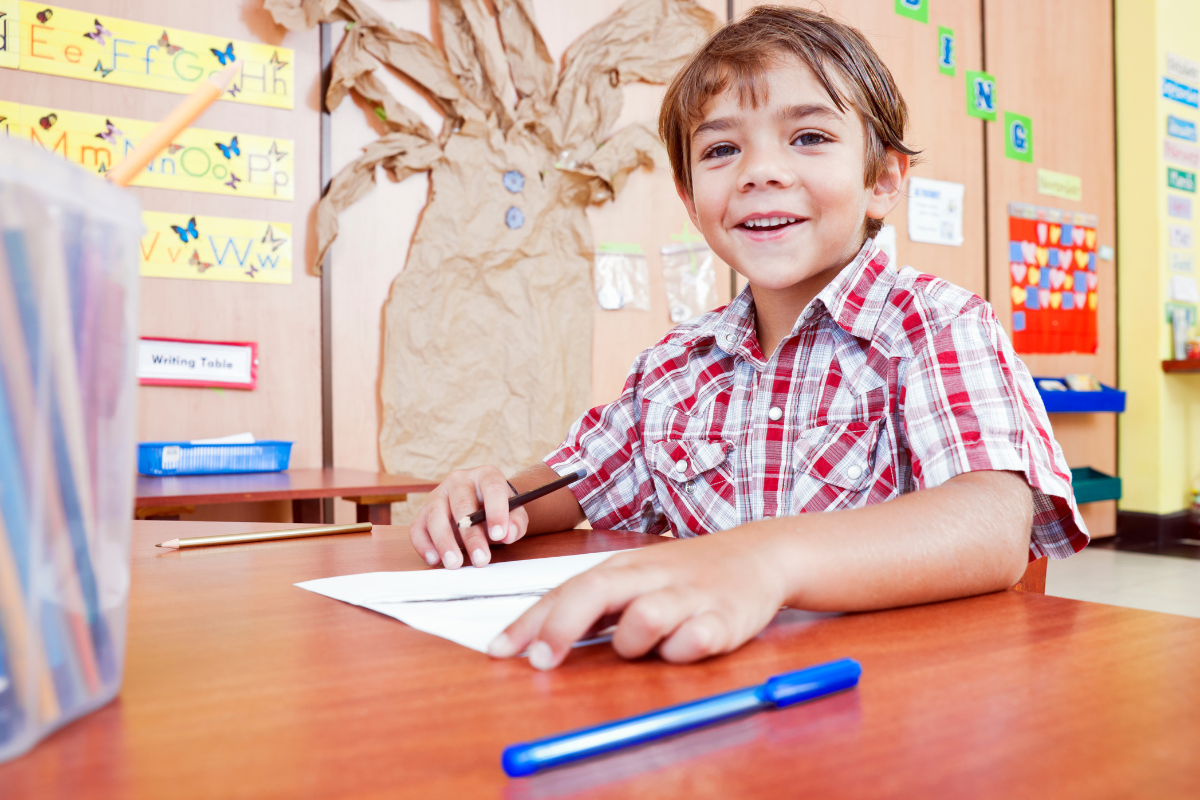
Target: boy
[835,382]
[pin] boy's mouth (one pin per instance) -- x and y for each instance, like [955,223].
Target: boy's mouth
[773,223]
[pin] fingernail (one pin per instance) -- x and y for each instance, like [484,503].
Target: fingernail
[497,533]
[450,559]
[478,558]
[540,656]
[501,647]
[431,558]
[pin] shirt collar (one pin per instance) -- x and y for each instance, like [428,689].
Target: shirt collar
[855,299]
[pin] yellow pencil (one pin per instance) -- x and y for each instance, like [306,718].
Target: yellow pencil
[266,536]
[180,118]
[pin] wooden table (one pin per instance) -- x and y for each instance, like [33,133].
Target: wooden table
[374,492]
[240,685]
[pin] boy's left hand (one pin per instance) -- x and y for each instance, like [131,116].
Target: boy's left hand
[690,599]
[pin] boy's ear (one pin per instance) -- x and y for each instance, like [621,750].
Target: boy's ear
[688,203]
[889,188]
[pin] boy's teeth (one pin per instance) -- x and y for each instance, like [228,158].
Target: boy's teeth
[769,222]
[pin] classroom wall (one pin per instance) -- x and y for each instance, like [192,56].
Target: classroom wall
[283,319]
[1160,432]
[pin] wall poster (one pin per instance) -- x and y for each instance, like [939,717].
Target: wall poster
[1052,269]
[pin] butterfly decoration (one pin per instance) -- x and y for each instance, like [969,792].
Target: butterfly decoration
[233,181]
[225,56]
[165,44]
[188,230]
[100,68]
[172,149]
[275,241]
[2,120]
[99,33]
[234,89]
[229,150]
[110,133]
[44,15]
[275,62]
[250,272]
[47,122]
[201,266]
[103,168]
[275,151]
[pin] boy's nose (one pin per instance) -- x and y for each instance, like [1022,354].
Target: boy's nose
[760,170]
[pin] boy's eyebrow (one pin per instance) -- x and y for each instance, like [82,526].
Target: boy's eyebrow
[789,114]
[798,112]
[716,125]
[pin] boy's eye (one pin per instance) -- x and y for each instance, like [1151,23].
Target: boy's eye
[719,151]
[809,138]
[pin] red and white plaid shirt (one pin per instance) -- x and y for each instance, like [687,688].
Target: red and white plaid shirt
[890,382]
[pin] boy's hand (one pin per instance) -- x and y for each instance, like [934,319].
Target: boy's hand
[690,599]
[433,531]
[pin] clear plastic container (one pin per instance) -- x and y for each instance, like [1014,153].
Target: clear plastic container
[68,332]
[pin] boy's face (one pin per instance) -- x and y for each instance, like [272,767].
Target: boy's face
[778,190]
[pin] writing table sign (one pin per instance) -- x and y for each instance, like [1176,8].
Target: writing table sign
[191,362]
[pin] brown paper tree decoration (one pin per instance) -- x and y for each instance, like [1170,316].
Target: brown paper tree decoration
[487,348]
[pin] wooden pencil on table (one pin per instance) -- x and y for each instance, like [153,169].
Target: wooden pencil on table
[266,536]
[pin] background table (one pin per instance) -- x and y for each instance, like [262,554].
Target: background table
[240,685]
[374,492]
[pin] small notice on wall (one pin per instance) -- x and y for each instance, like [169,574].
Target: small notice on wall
[1052,265]
[935,211]
[80,44]
[191,362]
[1059,184]
[215,248]
[218,162]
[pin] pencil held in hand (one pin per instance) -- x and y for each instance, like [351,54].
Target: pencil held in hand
[528,497]
[179,119]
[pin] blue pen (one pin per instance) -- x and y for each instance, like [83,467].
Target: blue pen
[782,690]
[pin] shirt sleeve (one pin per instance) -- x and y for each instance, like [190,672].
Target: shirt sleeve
[606,442]
[969,403]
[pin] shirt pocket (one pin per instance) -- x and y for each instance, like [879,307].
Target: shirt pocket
[694,482]
[836,466]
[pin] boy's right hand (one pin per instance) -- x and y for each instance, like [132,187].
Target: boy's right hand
[435,533]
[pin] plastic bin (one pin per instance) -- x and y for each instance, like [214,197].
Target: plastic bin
[1092,485]
[68,333]
[185,458]
[1107,399]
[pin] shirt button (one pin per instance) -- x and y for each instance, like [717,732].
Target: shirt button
[853,472]
[729,337]
[776,413]
[681,465]
[691,487]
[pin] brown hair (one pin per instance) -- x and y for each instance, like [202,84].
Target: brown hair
[738,54]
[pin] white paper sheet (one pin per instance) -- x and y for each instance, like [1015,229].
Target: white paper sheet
[469,606]
[935,211]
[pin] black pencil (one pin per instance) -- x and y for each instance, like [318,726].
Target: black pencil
[516,501]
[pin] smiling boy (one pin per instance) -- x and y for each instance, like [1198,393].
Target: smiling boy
[835,382]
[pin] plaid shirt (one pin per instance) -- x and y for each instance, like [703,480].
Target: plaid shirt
[889,382]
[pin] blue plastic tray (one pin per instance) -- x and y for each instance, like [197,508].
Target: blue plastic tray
[1107,399]
[185,458]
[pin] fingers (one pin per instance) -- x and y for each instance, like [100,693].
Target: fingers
[464,501]
[560,619]
[494,490]
[518,524]
[650,619]
[703,635]
[441,532]
[418,534]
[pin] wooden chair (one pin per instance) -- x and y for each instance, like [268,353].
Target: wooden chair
[1034,579]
